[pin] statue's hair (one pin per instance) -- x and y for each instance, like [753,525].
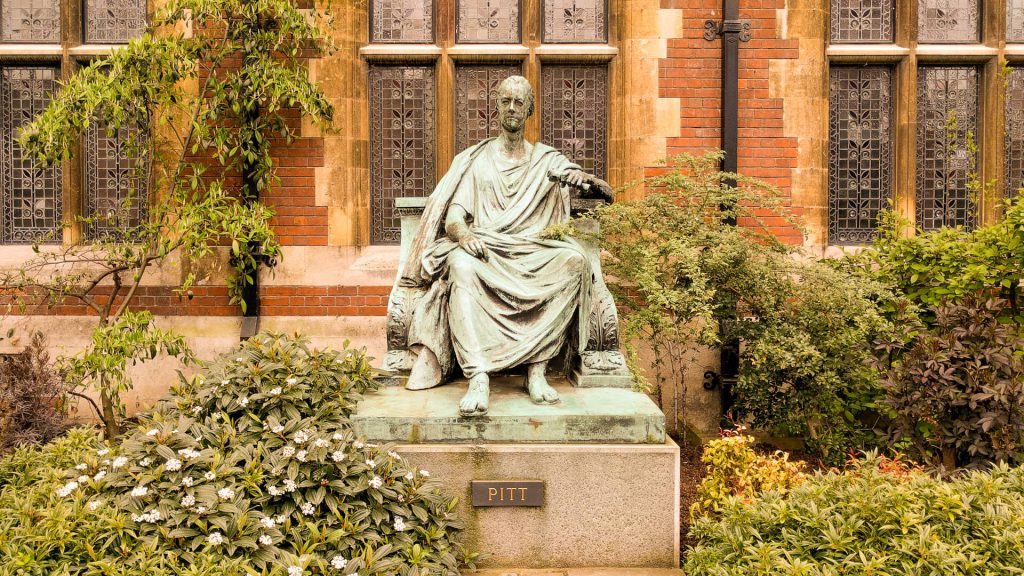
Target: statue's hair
[518,82]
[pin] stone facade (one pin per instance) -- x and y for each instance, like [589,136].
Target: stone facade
[664,98]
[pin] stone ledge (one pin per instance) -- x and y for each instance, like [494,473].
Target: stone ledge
[584,415]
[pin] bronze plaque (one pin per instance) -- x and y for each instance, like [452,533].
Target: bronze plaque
[508,492]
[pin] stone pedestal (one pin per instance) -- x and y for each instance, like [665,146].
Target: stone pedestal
[605,504]
[611,477]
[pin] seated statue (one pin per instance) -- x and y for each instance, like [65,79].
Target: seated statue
[497,294]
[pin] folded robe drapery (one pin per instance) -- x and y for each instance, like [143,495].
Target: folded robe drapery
[517,305]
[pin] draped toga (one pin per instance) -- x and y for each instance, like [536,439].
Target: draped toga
[519,304]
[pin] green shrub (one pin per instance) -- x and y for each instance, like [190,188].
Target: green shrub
[254,465]
[955,392]
[736,470]
[866,521]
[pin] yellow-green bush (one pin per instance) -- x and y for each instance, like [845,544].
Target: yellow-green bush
[876,518]
[736,470]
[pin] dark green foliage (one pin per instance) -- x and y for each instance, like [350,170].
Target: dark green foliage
[683,277]
[955,392]
[867,521]
[255,463]
[33,397]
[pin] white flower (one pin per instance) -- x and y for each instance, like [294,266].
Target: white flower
[424,473]
[337,455]
[187,481]
[301,437]
[83,479]
[275,391]
[239,359]
[211,475]
[321,443]
[410,476]
[370,463]
[94,505]
[197,409]
[376,482]
[266,540]
[308,508]
[215,538]
[188,500]
[301,455]
[67,489]
[244,401]
[280,518]
[274,491]
[99,475]
[152,432]
[267,522]
[338,436]
[401,498]
[200,509]
[399,524]
[225,493]
[292,380]
[225,381]
[358,444]
[288,451]
[145,462]
[338,562]
[81,466]
[152,516]
[294,571]
[289,486]
[118,462]
[394,455]
[140,491]
[188,453]
[103,452]
[277,429]
[173,464]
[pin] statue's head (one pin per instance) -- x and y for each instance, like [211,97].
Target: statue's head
[515,102]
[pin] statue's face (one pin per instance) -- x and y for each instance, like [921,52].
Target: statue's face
[513,108]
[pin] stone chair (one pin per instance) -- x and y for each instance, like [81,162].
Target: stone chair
[601,364]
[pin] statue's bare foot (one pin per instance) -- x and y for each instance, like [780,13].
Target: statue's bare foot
[474,403]
[540,391]
[426,371]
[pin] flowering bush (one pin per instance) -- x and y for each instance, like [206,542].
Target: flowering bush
[737,471]
[866,520]
[256,462]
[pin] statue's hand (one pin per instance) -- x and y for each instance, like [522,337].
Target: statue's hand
[575,178]
[472,244]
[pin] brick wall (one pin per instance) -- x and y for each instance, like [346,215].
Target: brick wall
[692,72]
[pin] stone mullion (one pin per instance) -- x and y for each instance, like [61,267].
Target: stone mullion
[992,140]
[905,142]
[73,191]
[532,21]
[445,37]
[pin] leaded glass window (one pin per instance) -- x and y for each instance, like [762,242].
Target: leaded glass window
[862,21]
[860,151]
[948,21]
[111,21]
[947,110]
[476,97]
[488,21]
[575,21]
[574,114]
[30,21]
[115,180]
[402,136]
[1014,159]
[32,201]
[1015,21]
[402,21]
